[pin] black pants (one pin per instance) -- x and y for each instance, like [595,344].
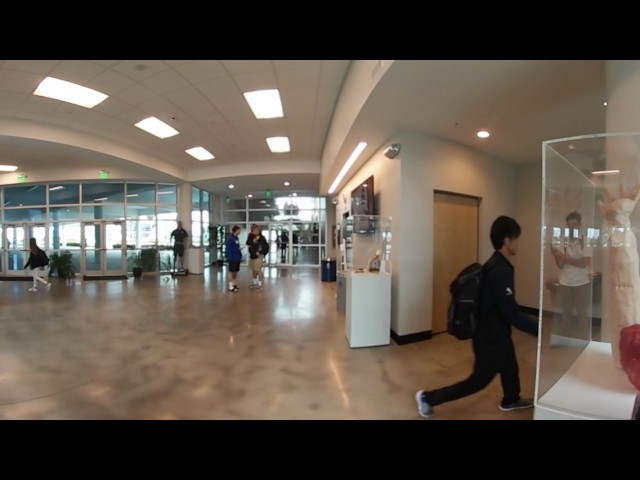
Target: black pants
[492,358]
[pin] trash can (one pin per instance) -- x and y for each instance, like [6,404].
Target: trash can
[328,270]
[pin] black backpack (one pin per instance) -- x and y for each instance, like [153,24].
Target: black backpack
[44,258]
[464,310]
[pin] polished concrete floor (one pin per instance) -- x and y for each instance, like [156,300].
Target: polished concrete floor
[185,348]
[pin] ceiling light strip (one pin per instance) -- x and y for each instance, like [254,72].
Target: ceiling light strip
[349,163]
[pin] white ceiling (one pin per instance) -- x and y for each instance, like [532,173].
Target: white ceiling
[522,102]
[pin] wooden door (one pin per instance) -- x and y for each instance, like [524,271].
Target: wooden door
[455,245]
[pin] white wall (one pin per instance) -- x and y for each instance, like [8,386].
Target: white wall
[405,188]
[528,190]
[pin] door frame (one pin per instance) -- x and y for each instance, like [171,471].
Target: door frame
[103,249]
[456,221]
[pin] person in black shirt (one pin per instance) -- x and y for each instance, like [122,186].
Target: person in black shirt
[492,343]
[37,260]
[179,235]
[258,247]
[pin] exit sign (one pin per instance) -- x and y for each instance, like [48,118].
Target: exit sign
[268,193]
[104,174]
[22,178]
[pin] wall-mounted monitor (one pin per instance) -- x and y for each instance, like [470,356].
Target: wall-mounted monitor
[362,198]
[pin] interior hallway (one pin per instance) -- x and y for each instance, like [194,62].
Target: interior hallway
[185,348]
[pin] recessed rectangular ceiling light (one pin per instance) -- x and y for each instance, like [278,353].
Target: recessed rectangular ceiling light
[265,103]
[605,172]
[278,144]
[69,92]
[8,168]
[200,153]
[157,127]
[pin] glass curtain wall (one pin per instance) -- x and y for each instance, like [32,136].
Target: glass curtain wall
[200,223]
[295,227]
[117,218]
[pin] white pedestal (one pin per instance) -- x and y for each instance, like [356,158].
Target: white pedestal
[196,261]
[368,309]
[592,388]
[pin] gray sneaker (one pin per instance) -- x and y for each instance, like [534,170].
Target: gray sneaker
[519,405]
[424,409]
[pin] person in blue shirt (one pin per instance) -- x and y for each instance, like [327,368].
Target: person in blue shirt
[492,343]
[234,257]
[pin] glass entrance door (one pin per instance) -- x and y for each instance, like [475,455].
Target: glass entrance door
[279,237]
[103,248]
[16,243]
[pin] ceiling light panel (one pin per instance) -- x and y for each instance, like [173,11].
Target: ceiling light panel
[200,153]
[157,127]
[265,103]
[279,144]
[69,92]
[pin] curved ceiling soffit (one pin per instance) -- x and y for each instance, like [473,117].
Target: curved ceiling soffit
[87,142]
[359,83]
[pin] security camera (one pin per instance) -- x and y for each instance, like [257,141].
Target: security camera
[392,150]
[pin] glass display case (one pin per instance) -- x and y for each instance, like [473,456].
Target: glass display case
[366,244]
[589,279]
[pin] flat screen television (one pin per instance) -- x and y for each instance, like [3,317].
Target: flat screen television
[362,198]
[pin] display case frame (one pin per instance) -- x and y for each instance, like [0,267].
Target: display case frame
[578,374]
[366,244]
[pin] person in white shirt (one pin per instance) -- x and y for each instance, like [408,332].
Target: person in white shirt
[574,261]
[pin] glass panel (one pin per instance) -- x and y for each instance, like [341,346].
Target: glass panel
[195,198]
[167,213]
[93,263]
[167,193]
[141,192]
[114,251]
[205,200]
[64,193]
[17,247]
[196,228]
[307,256]
[138,211]
[103,212]
[25,195]
[64,213]
[164,234]
[64,236]
[237,217]
[141,233]
[25,214]
[589,295]
[103,192]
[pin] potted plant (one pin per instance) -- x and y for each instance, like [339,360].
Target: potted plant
[144,260]
[61,263]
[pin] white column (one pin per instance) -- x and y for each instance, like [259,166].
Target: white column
[184,216]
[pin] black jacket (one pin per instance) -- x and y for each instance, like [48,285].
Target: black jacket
[499,309]
[36,260]
[257,245]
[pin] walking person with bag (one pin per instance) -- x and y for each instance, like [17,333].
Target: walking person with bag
[37,261]
[492,343]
